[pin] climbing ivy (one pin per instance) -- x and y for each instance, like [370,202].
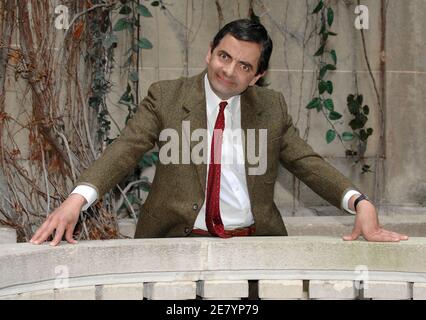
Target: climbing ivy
[105,41]
[323,101]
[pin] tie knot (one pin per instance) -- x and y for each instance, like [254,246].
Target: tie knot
[222,105]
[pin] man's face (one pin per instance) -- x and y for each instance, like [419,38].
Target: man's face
[232,66]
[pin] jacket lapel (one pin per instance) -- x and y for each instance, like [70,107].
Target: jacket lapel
[194,111]
[252,114]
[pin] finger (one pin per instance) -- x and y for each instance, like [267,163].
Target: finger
[69,233]
[381,237]
[40,230]
[396,234]
[46,233]
[353,236]
[58,235]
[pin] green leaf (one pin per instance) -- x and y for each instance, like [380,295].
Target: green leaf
[155,3]
[330,136]
[329,105]
[323,71]
[355,124]
[322,86]
[352,105]
[145,186]
[125,10]
[330,16]
[122,24]
[320,51]
[146,161]
[347,136]
[363,135]
[334,115]
[366,168]
[330,67]
[314,104]
[143,11]
[319,6]
[155,156]
[370,131]
[359,99]
[329,87]
[144,43]
[333,56]
[331,33]
[133,76]
[366,110]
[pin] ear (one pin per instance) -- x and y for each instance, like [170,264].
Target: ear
[209,54]
[260,75]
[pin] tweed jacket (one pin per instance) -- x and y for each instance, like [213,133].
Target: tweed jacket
[178,190]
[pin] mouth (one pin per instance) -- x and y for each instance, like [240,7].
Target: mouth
[224,81]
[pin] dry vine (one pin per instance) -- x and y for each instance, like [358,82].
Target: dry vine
[55,81]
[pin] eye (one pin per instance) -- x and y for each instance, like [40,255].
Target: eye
[245,68]
[223,56]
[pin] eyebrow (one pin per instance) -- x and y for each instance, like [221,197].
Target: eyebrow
[248,64]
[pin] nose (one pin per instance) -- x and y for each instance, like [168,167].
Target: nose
[229,69]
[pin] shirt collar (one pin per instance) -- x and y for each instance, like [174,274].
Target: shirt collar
[212,100]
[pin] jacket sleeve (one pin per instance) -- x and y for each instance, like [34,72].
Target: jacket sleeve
[122,156]
[301,160]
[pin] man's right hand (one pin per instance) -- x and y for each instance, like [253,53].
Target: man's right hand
[62,220]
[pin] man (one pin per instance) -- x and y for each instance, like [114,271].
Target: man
[214,198]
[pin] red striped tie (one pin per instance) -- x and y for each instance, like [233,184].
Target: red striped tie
[213,219]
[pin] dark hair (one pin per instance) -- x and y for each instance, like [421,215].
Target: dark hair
[248,30]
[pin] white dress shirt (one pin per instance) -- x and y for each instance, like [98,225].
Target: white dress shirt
[235,209]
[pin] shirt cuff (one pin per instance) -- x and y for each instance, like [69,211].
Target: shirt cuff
[345,200]
[88,193]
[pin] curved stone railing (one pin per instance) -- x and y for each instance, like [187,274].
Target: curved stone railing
[187,268]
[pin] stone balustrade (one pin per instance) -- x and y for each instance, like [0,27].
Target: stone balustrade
[295,267]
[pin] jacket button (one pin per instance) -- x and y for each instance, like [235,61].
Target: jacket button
[187,230]
[195,207]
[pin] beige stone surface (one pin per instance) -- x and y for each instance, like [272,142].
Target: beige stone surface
[7,235]
[178,290]
[388,290]
[170,268]
[38,295]
[218,289]
[125,291]
[77,293]
[320,289]
[419,291]
[281,289]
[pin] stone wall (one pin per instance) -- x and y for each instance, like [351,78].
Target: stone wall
[207,268]
[394,46]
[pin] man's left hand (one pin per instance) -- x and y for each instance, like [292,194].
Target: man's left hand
[367,225]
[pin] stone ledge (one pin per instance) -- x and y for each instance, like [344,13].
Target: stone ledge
[155,262]
[7,235]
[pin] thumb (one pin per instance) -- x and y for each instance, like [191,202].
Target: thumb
[353,236]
